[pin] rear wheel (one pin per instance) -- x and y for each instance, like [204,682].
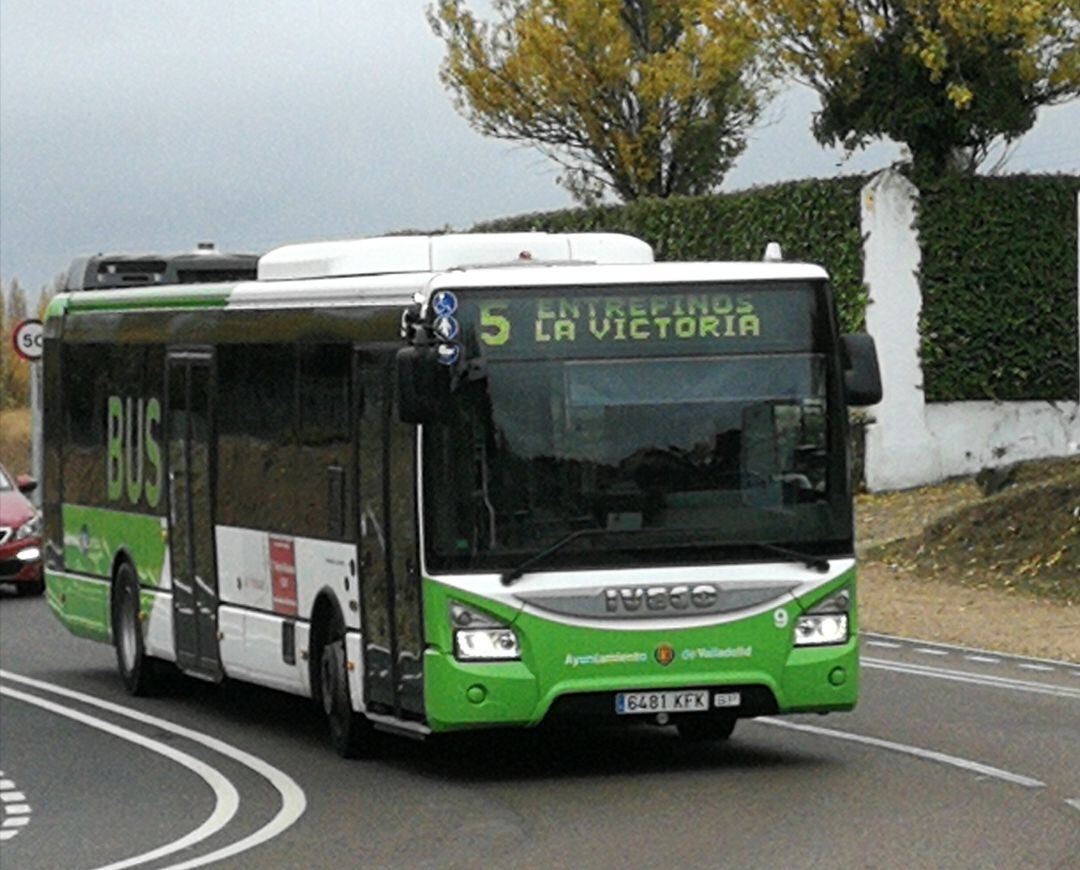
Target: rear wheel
[706,728]
[138,671]
[350,733]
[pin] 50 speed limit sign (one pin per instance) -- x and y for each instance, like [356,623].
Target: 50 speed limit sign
[28,339]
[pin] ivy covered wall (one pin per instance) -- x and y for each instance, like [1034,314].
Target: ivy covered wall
[998,280]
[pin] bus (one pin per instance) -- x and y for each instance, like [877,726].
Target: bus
[465,481]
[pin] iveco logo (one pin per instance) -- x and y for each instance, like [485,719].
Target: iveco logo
[660,598]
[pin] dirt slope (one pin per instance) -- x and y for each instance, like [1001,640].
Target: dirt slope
[998,570]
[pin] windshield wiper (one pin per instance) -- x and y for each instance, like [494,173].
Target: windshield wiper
[518,570]
[818,563]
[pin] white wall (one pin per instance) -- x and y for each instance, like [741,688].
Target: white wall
[912,442]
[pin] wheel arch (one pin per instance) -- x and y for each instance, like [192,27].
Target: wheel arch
[325,609]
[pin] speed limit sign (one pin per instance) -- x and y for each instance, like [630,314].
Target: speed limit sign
[28,339]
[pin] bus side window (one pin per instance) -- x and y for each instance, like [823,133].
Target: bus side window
[257,467]
[325,455]
[85,394]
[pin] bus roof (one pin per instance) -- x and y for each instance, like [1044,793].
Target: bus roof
[409,254]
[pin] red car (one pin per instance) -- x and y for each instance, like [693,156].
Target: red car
[20,535]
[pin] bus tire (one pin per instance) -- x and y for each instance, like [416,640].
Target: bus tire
[702,729]
[350,733]
[138,671]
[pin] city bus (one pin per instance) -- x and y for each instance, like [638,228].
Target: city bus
[465,481]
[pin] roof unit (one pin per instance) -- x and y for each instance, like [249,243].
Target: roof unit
[204,265]
[397,254]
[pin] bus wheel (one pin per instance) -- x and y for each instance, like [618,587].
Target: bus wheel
[350,733]
[706,728]
[137,669]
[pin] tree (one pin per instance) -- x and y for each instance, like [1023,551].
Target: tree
[14,372]
[632,97]
[948,78]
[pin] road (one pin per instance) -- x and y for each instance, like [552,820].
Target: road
[954,758]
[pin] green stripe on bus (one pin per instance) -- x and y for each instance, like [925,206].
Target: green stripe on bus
[93,537]
[134,300]
[81,604]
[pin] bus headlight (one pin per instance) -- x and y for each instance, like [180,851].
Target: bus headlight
[818,629]
[479,637]
[826,622]
[486,644]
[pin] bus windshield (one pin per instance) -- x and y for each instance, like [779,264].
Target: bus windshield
[681,457]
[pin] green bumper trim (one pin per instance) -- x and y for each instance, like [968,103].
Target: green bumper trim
[560,659]
[82,604]
[94,536]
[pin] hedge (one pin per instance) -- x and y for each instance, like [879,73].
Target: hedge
[815,221]
[999,279]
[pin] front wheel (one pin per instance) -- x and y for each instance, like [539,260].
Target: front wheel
[700,729]
[138,671]
[33,588]
[350,733]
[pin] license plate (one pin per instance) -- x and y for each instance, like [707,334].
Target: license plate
[684,701]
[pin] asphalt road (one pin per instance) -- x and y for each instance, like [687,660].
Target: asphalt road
[954,758]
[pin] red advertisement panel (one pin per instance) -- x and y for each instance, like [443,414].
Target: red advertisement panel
[283,575]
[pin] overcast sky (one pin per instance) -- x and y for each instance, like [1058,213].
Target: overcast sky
[154,124]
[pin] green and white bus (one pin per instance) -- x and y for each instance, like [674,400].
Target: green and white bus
[465,481]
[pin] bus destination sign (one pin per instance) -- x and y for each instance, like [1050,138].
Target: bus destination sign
[679,320]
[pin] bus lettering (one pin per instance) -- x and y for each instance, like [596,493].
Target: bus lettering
[132,444]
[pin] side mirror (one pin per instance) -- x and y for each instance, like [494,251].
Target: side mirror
[862,378]
[25,483]
[423,385]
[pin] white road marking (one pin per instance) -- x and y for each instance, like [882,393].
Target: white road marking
[911,641]
[16,812]
[1031,667]
[926,754]
[293,799]
[1074,803]
[929,651]
[984,659]
[883,643]
[973,678]
[226,798]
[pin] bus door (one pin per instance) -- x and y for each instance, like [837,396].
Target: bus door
[191,523]
[390,608]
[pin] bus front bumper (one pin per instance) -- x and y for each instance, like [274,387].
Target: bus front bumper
[475,695]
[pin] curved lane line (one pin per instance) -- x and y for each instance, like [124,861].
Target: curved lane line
[926,754]
[971,677]
[293,799]
[226,799]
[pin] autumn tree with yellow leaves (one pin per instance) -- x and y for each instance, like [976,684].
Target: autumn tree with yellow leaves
[949,78]
[631,97]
